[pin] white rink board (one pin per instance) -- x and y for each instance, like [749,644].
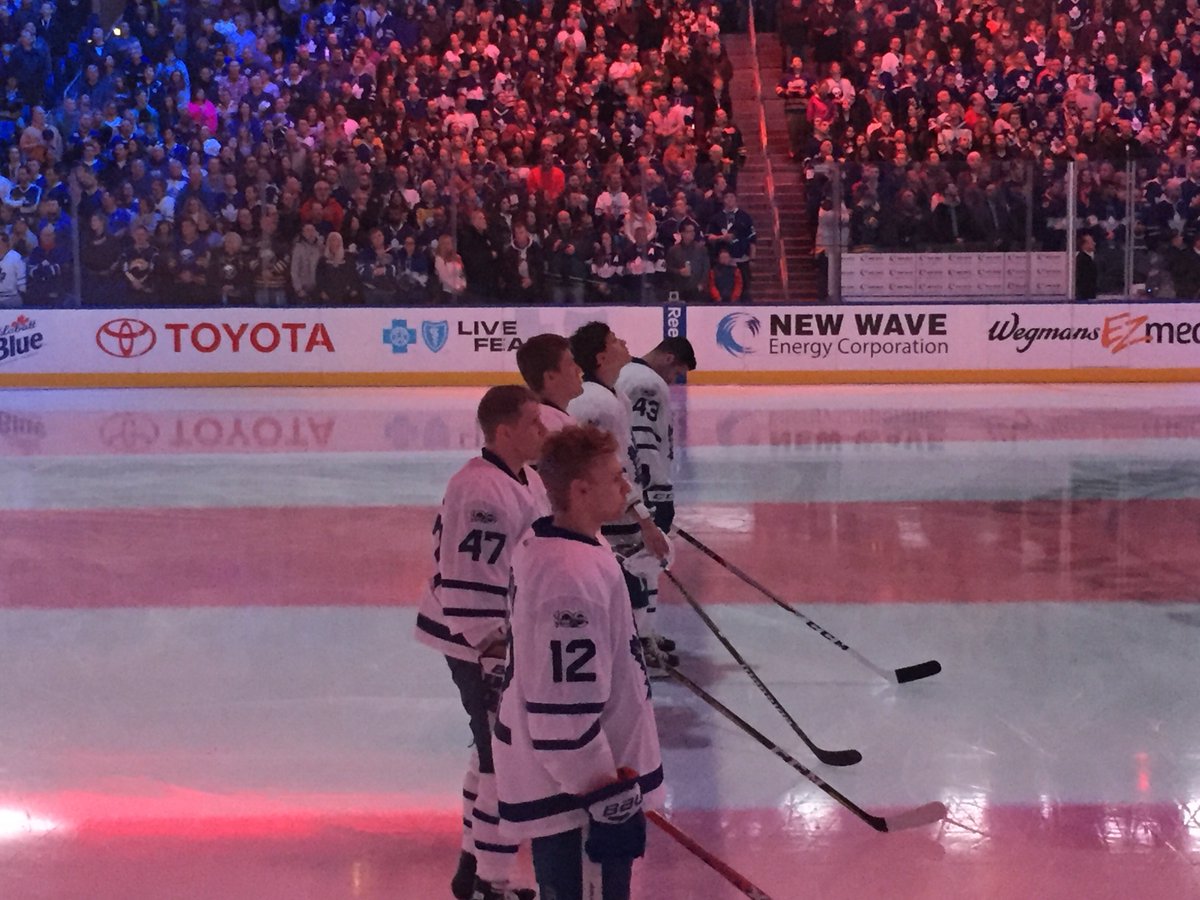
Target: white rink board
[391,343]
[966,342]
[743,344]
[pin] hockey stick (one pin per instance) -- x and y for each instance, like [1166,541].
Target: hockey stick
[726,871]
[913,818]
[926,669]
[829,757]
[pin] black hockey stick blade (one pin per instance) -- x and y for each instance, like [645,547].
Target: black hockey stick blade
[927,669]
[923,815]
[828,757]
[914,818]
[837,757]
[899,676]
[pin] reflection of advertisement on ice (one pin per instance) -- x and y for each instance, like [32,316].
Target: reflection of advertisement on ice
[822,335]
[21,430]
[132,432]
[834,432]
[20,338]
[434,432]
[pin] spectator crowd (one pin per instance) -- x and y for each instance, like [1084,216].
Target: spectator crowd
[952,123]
[379,152]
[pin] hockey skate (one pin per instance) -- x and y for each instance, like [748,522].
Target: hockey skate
[656,659]
[663,644]
[485,890]
[462,885]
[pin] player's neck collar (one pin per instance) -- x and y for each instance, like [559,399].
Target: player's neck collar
[545,527]
[640,362]
[594,380]
[548,403]
[500,464]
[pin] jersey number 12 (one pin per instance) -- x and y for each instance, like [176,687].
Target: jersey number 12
[574,672]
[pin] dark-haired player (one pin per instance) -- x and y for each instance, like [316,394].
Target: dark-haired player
[645,382]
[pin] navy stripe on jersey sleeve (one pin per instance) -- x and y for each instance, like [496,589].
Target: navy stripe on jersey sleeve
[571,744]
[648,430]
[502,733]
[464,613]
[485,817]
[440,631]
[482,587]
[563,709]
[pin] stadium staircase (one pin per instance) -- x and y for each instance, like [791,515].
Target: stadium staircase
[770,186]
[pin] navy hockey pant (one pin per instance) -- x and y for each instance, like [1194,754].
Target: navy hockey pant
[494,852]
[559,863]
[469,680]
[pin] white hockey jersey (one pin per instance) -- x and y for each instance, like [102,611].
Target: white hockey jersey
[652,427]
[485,511]
[609,410]
[576,702]
[553,418]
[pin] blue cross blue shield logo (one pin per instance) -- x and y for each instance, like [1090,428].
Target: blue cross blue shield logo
[399,336]
[434,334]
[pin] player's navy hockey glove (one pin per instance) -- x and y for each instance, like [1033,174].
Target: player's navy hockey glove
[618,827]
[664,515]
[492,668]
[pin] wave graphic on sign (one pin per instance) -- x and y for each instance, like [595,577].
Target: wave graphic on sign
[727,332]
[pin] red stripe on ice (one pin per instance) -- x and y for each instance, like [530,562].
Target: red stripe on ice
[829,552]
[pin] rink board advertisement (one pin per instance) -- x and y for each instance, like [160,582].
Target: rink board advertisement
[938,343]
[286,346]
[471,346]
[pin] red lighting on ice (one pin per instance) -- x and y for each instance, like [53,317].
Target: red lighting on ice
[1143,775]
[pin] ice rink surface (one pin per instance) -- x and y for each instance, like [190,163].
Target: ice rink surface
[209,689]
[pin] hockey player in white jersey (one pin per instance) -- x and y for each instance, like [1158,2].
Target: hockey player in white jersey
[550,371]
[489,503]
[645,382]
[576,746]
[602,355]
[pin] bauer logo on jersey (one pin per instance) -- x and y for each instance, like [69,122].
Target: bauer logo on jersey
[434,334]
[736,332]
[483,517]
[569,618]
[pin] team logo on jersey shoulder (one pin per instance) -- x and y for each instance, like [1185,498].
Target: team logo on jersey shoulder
[483,516]
[569,618]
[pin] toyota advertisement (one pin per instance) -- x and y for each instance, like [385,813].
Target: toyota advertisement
[286,346]
[734,344]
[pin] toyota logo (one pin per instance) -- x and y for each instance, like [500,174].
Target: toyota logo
[125,338]
[129,432]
